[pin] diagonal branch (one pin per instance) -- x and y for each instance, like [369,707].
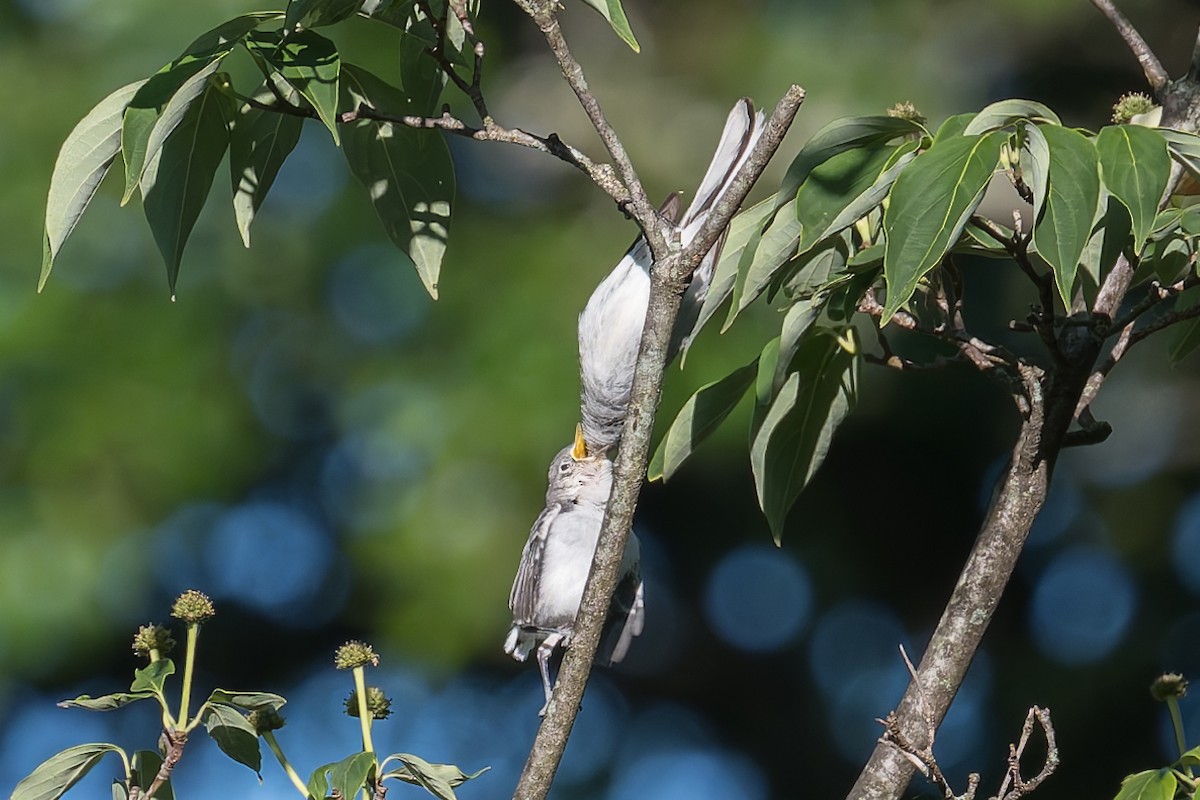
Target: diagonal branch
[1156,76]
[1194,68]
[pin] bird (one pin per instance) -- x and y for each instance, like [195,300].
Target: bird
[610,326]
[554,567]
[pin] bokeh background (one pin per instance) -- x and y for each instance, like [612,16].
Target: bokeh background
[329,454]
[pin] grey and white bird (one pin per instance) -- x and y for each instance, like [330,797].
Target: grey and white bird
[548,589]
[610,327]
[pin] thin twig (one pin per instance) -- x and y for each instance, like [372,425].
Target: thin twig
[1156,76]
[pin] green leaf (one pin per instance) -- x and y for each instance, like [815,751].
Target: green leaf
[309,63]
[1191,758]
[142,116]
[259,142]
[1184,147]
[744,232]
[776,245]
[869,198]
[1187,338]
[1110,237]
[1071,188]
[234,734]
[953,127]
[421,77]
[834,185]
[350,774]
[439,780]
[177,180]
[1153,784]
[702,414]
[119,790]
[83,161]
[175,112]
[1006,112]
[315,13]
[108,702]
[247,701]
[318,783]
[152,677]
[54,776]
[146,765]
[407,173]
[1136,167]
[794,436]
[611,10]
[931,202]
[1034,161]
[838,137]
[816,270]
[796,323]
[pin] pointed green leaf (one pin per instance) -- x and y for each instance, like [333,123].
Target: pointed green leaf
[306,14]
[1153,784]
[152,677]
[54,776]
[349,775]
[868,199]
[838,137]
[1006,112]
[774,248]
[259,142]
[797,322]
[407,173]
[931,202]
[834,185]
[176,182]
[953,127]
[818,269]
[108,702]
[611,10]
[234,734]
[1110,237]
[146,765]
[744,232]
[318,783]
[449,773]
[247,701]
[82,163]
[420,772]
[1071,189]
[175,111]
[794,436]
[1034,160]
[702,414]
[1136,167]
[310,64]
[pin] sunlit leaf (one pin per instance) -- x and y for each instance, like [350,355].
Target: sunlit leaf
[834,185]
[306,14]
[868,199]
[310,64]
[107,702]
[407,173]
[440,780]
[776,245]
[152,677]
[119,790]
[1071,189]
[794,435]
[177,180]
[929,205]
[146,765]
[838,137]
[259,142]
[349,775]
[1153,784]
[61,771]
[1184,147]
[248,701]
[176,110]
[1006,112]
[234,734]
[702,414]
[1136,167]
[611,10]
[82,163]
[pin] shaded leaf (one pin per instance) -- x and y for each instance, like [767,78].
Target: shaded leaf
[407,173]
[248,701]
[794,435]
[702,414]
[869,198]
[259,142]
[1136,167]
[1071,188]
[439,780]
[176,110]
[61,771]
[611,10]
[234,734]
[315,13]
[834,185]
[1006,112]
[1153,784]
[774,247]
[1110,236]
[796,323]
[177,180]
[146,765]
[83,161]
[310,64]
[108,702]
[1184,147]
[930,203]
[1034,161]
[817,269]
[1187,337]
[152,677]
[838,137]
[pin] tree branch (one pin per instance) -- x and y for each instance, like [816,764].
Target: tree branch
[1156,76]
[667,280]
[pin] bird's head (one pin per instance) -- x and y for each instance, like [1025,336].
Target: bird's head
[576,477]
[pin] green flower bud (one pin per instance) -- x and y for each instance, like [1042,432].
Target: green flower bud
[193,607]
[1169,685]
[907,110]
[1130,105]
[378,704]
[266,719]
[153,637]
[355,654]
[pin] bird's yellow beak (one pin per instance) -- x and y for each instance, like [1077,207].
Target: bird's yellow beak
[579,451]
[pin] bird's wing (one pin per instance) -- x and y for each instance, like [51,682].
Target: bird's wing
[523,597]
[626,617]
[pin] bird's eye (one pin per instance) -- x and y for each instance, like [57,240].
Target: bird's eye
[564,468]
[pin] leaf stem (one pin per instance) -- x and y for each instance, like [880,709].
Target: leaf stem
[193,632]
[364,714]
[1177,726]
[269,738]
